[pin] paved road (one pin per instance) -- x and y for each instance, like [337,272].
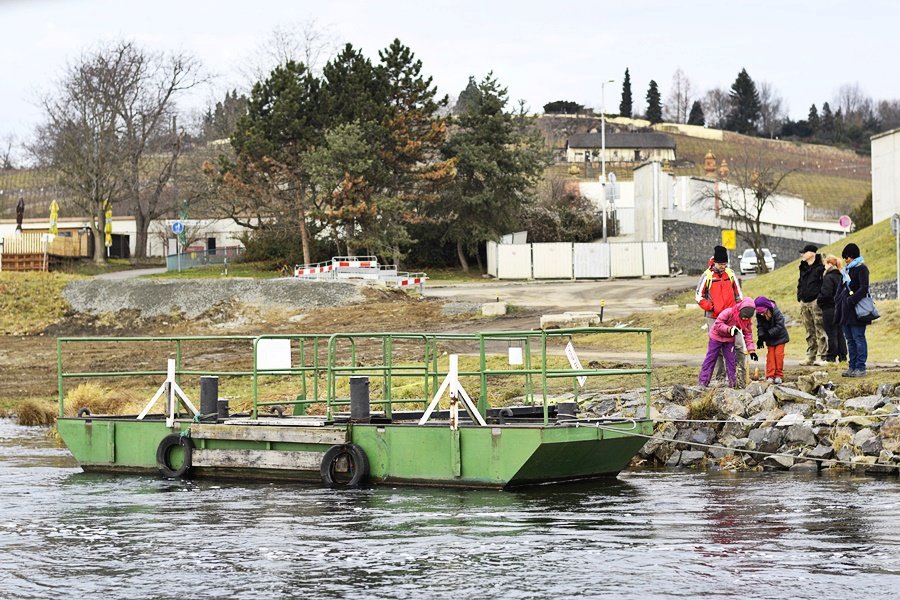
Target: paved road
[622,296]
[132,273]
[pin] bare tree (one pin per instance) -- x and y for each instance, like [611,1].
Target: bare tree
[856,107]
[772,109]
[716,106]
[747,189]
[889,114]
[308,42]
[679,101]
[6,151]
[143,91]
[79,141]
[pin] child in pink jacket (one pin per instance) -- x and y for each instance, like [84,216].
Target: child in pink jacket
[734,320]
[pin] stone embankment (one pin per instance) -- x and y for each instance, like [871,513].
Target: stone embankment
[764,426]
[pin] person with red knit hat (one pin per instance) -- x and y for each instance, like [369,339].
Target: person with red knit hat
[717,290]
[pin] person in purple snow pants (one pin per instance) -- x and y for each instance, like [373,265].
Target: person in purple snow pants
[732,321]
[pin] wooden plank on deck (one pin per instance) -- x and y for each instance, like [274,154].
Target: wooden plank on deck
[258,433]
[257,459]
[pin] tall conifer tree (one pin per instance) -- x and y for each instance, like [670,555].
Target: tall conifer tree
[654,104]
[625,106]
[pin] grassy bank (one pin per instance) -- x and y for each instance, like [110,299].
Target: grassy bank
[29,302]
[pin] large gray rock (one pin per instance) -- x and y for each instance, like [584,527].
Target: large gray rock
[762,403]
[797,408]
[691,458]
[805,466]
[821,452]
[773,417]
[744,443]
[865,403]
[844,453]
[674,459]
[800,433]
[890,434]
[867,441]
[675,412]
[785,394]
[810,383]
[778,462]
[766,439]
[732,403]
[736,427]
[703,435]
[829,417]
[756,388]
[790,420]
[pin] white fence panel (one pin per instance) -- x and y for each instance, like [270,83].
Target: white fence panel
[492,259]
[656,258]
[552,260]
[591,261]
[626,259]
[514,261]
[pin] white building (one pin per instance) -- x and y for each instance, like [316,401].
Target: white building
[885,175]
[200,234]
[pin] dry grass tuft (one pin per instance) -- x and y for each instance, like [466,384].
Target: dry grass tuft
[702,408]
[31,413]
[103,401]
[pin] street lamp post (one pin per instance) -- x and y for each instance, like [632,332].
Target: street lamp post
[603,130]
[603,150]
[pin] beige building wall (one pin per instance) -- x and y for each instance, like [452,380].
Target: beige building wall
[885,175]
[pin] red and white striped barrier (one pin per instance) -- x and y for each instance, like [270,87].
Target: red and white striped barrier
[410,279]
[307,271]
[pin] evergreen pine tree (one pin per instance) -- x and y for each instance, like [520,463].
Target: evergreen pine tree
[625,106]
[466,96]
[696,117]
[745,105]
[813,119]
[826,123]
[654,104]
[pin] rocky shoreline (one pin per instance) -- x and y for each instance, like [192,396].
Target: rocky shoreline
[763,427]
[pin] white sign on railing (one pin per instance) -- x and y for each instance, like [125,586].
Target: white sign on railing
[575,363]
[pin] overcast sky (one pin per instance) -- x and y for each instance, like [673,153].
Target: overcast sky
[540,50]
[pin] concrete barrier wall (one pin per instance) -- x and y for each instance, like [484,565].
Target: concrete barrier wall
[564,260]
[514,261]
[656,258]
[591,261]
[552,260]
[626,259]
[492,258]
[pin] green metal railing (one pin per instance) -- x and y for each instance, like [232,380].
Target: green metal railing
[406,356]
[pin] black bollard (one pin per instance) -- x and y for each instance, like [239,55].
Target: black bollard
[222,406]
[209,396]
[359,400]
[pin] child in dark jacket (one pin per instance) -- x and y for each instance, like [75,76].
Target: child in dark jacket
[731,322]
[772,333]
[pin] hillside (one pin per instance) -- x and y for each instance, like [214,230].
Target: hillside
[828,178]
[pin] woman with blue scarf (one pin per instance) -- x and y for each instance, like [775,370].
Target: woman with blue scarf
[855,287]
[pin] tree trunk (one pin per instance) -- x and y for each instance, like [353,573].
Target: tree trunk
[99,246]
[478,261]
[462,256]
[304,234]
[141,236]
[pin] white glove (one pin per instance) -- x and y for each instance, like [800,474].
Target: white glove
[734,330]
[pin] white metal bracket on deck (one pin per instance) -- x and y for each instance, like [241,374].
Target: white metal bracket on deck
[456,392]
[171,389]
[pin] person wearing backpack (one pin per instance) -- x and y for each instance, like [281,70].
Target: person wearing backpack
[855,287]
[717,290]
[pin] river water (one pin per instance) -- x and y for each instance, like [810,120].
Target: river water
[649,534]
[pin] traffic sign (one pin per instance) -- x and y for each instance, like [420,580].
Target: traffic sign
[845,221]
[729,238]
[177,227]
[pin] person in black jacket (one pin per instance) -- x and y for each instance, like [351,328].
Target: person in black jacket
[773,333]
[808,287]
[837,345]
[855,287]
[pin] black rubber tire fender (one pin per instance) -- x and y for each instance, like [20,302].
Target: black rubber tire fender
[358,463]
[84,411]
[162,455]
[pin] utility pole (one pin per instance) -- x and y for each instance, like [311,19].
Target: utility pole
[895,227]
[603,150]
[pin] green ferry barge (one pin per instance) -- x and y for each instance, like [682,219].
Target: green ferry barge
[418,424]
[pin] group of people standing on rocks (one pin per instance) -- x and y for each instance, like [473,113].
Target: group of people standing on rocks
[827,295]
